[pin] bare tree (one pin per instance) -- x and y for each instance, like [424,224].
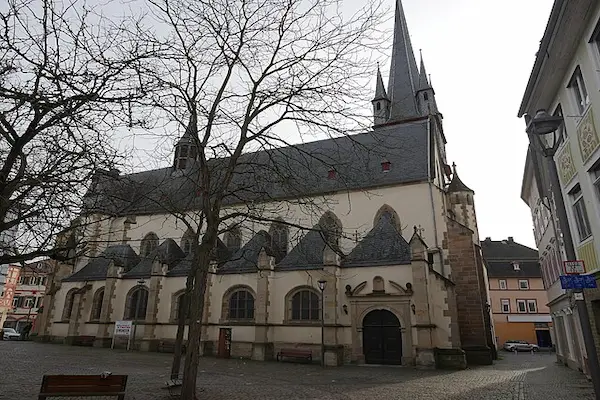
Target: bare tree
[67,80]
[235,75]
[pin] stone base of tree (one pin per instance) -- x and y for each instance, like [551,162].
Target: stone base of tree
[450,358]
[334,355]
[263,351]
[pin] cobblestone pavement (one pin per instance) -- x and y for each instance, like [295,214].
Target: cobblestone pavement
[515,377]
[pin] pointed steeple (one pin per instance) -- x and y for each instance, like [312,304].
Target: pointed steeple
[456,185]
[380,93]
[423,81]
[404,75]
[381,102]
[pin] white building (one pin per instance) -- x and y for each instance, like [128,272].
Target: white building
[396,240]
[566,81]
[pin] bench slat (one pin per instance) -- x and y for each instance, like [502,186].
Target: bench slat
[83,385]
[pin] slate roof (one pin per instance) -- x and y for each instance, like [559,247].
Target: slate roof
[95,270]
[499,256]
[404,75]
[167,253]
[505,269]
[307,254]
[292,171]
[507,250]
[383,245]
[457,185]
[246,258]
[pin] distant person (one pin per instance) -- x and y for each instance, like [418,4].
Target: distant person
[25,332]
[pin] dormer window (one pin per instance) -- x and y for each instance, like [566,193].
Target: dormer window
[516,266]
[331,174]
[425,97]
[378,106]
[386,166]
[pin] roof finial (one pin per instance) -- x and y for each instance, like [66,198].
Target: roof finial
[454,168]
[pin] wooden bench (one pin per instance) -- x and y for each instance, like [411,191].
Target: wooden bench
[294,353]
[83,386]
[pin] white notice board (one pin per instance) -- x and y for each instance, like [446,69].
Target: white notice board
[122,328]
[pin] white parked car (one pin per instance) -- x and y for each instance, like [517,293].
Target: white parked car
[520,345]
[10,334]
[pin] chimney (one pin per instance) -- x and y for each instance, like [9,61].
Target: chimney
[488,239]
[510,239]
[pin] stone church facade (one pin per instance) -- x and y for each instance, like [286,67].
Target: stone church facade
[396,245]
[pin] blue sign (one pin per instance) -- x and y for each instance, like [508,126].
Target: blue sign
[578,282]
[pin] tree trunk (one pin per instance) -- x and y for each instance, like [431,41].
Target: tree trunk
[181,317]
[192,354]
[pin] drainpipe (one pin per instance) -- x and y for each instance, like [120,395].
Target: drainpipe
[430,184]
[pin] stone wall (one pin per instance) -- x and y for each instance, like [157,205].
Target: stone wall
[466,274]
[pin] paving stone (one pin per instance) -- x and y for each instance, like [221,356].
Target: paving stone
[515,377]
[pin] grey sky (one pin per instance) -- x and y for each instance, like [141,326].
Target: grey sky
[480,54]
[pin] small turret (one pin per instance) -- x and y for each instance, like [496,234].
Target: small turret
[186,150]
[381,102]
[425,93]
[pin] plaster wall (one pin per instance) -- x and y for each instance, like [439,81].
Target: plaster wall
[344,205]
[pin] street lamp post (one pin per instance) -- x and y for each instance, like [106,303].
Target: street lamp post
[140,284]
[322,284]
[544,125]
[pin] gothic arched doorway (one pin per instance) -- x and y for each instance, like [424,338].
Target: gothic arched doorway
[382,340]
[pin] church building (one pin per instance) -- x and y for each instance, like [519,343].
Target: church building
[391,268]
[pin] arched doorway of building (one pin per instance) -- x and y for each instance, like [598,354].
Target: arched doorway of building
[382,339]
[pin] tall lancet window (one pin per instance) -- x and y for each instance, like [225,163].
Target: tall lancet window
[279,239]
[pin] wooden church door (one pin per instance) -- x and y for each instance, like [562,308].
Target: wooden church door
[382,340]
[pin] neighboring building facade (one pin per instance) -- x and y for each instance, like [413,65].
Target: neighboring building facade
[566,81]
[517,293]
[28,295]
[7,291]
[395,239]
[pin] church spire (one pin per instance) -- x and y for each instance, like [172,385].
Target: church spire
[381,102]
[404,75]
[380,93]
[423,81]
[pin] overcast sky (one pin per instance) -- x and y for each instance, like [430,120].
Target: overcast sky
[480,54]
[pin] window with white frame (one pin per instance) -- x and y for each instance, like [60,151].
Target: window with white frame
[522,306]
[523,284]
[595,41]
[595,175]
[502,284]
[561,132]
[505,305]
[29,302]
[580,213]
[532,306]
[579,91]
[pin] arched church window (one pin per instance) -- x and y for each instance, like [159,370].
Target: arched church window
[331,227]
[137,303]
[279,239]
[69,300]
[305,306]
[233,239]
[97,305]
[148,244]
[241,305]
[388,212]
[187,241]
[378,105]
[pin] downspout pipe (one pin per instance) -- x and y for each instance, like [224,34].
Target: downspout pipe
[430,184]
